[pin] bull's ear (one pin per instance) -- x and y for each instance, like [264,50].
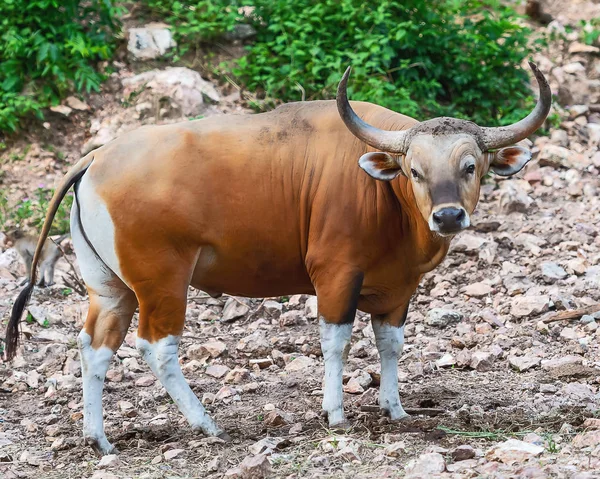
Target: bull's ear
[379,165]
[510,160]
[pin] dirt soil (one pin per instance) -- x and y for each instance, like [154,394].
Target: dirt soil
[497,383]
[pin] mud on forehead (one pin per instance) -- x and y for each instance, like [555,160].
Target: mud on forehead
[447,126]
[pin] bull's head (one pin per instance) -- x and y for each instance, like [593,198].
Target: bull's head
[445,158]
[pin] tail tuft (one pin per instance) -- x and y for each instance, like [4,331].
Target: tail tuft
[12,330]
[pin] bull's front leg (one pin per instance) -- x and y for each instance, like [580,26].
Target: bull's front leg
[337,300]
[389,337]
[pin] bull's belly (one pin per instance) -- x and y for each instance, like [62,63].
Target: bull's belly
[255,274]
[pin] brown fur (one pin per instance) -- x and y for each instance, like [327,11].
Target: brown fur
[262,205]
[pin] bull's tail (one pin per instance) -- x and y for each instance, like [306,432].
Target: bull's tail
[12,330]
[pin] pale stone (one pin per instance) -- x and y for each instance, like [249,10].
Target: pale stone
[311,308]
[441,317]
[173,453]
[76,104]
[513,451]
[478,290]
[425,465]
[151,41]
[145,381]
[256,467]
[482,361]
[217,370]
[524,306]
[109,461]
[565,366]
[234,309]
[300,363]
[523,363]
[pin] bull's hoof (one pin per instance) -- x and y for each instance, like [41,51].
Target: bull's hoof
[224,436]
[101,446]
[395,414]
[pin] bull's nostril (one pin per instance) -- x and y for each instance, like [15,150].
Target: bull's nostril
[438,218]
[460,216]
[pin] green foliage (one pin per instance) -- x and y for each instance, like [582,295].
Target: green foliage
[48,48]
[422,58]
[440,57]
[31,212]
[590,31]
[197,21]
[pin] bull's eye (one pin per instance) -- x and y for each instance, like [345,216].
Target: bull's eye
[414,174]
[470,169]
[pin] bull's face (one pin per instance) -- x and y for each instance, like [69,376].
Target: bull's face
[445,173]
[445,158]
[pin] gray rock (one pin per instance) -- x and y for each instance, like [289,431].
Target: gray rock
[462,453]
[555,156]
[467,243]
[560,137]
[524,363]
[181,85]
[514,199]
[565,366]
[551,272]
[151,41]
[524,306]
[482,361]
[255,344]
[513,451]
[291,318]
[241,31]
[441,317]
[310,308]
[272,308]
[426,465]
[234,309]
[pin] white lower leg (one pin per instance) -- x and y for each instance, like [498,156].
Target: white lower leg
[94,364]
[390,341]
[335,343]
[161,356]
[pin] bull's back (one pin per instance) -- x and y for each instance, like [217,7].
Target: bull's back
[238,190]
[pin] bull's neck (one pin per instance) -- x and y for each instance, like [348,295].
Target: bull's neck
[429,248]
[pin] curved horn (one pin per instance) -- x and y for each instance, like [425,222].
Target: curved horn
[509,135]
[389,141]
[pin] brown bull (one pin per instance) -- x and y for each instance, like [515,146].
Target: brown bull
[267,205]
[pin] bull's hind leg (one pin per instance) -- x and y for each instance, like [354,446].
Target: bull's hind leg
[105,328]
[112,305]
[162,315]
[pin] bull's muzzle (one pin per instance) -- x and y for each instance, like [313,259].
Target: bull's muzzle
[449,220]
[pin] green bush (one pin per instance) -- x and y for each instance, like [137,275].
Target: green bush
[421,58]
[197,21]
[48,48]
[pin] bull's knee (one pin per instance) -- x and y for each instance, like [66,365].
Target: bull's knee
[161,355]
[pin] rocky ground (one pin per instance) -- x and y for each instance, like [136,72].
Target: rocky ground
[502,359]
